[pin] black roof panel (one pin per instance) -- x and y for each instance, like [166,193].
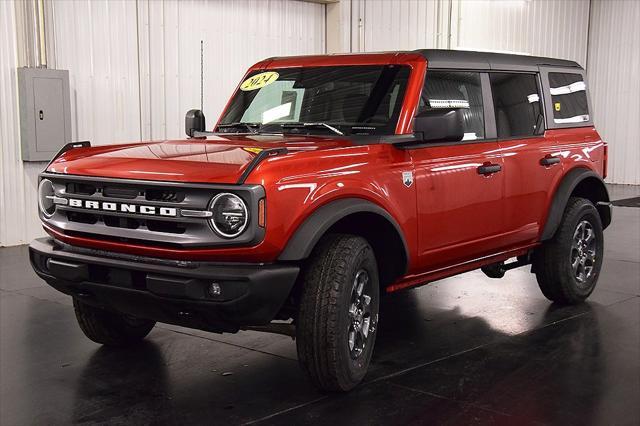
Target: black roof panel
[440,58]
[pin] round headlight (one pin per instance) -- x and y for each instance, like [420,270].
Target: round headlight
[230,215]
[45,198]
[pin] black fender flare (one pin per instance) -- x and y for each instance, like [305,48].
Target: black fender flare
[305,238]
[568,184]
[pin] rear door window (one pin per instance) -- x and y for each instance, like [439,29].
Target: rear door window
[517,104]
[568,98]
[444,89]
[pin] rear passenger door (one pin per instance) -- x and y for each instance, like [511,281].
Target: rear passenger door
[531,159]
[459,207]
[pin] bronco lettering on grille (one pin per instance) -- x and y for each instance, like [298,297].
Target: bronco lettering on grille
[123,207]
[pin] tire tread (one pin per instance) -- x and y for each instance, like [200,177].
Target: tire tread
[319,310]
[550,260]
[108,328]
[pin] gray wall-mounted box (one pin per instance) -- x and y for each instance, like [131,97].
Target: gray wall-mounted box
[45,112]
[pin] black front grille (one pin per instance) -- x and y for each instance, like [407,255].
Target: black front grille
[112,210]
[127,193]
[127,222]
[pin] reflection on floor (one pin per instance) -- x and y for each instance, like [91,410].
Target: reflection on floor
[462,350]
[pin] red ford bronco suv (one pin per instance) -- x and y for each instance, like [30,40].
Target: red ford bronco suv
[328,181]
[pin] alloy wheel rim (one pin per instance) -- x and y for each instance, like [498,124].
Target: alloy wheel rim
[361,324]
[583,252]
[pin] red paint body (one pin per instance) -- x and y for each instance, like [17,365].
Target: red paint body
[452,218]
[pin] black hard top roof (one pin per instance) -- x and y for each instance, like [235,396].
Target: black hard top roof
[462,59]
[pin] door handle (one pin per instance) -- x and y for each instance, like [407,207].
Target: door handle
[488,168]
[549,160]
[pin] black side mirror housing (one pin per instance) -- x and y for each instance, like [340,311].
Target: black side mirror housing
[194,121]
[439,125]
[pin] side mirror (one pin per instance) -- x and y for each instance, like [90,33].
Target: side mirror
[439,125]
[194,122]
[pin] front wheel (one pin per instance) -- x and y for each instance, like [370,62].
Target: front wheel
[110,328]
[338,315]
[567,266]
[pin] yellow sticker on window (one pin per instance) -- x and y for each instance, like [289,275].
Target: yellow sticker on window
[253,150]
[258,81]
[557,106]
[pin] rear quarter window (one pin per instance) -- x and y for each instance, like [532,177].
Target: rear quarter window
[568,98]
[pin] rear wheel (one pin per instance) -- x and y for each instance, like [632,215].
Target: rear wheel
[110,328]
[567,266]
[338,315]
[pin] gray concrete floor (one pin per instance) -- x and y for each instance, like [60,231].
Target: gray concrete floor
[463,350]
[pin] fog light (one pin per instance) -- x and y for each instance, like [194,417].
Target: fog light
[215,290]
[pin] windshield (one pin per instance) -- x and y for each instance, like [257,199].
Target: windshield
[336,100]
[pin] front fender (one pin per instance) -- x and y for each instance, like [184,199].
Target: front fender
[317,223]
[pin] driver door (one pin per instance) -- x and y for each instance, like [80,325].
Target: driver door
[459,185]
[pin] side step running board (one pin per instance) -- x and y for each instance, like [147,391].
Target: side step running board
[497,270]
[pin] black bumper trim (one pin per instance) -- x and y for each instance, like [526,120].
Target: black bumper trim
[252,294]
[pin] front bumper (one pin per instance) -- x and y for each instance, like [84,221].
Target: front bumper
[167,291]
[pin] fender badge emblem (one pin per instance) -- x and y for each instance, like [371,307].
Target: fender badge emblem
[407,178]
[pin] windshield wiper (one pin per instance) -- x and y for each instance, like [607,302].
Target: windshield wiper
[251,127]
[318,124]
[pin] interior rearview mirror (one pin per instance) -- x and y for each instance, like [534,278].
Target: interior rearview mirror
[439,125]
[194,121]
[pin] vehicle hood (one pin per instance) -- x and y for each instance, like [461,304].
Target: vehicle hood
[216,159]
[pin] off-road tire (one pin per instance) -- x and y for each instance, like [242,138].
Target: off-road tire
[323,321]
[552,261]
[110,328]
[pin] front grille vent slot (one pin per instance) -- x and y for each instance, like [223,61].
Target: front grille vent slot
[166,195]
[126,222]
[121,222]
[78,217]
[117,192]
[80,188]
[170,227]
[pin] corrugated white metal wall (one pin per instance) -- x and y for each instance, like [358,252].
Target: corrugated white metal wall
[236,34]
[134,69]
[17,179]
[537,27]
[140,71]
[614,75]
[97,42]
[9,123]
[402,24]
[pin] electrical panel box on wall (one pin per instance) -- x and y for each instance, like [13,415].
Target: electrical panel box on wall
[45,112]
